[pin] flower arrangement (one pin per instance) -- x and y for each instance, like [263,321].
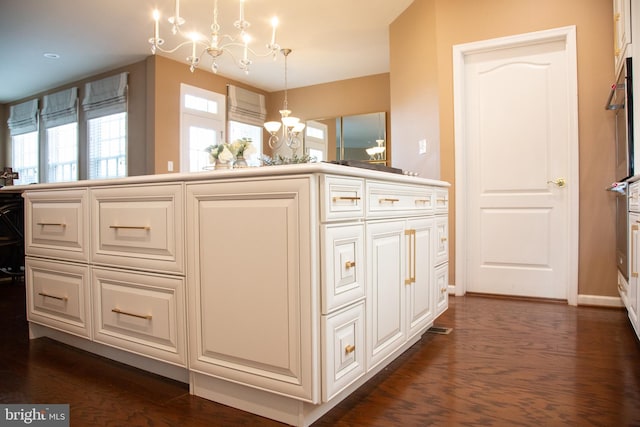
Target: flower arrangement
[243,147]
[227,152]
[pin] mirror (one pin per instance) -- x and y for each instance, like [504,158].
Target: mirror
[357,137]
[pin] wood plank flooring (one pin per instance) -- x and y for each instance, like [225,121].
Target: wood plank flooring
[506,363]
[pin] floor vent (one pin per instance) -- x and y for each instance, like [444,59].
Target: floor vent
[439,330]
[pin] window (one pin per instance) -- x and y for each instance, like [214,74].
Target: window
[105,104]
[201,125]
[247,112]
[60,119]
[239,130]
[62,153]
[316,140]
[24,157]
[107,142]
[23,126]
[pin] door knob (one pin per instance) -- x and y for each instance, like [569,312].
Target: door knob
[560,182]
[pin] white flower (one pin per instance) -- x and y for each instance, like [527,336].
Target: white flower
[225,155]
[251,149]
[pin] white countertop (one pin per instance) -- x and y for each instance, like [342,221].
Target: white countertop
[264,171]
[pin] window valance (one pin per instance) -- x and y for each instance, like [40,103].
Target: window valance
[106,96]
[60,108]
[246,106]
[23,118]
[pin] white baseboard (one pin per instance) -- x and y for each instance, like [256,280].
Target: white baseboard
[600,301]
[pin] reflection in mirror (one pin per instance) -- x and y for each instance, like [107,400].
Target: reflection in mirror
[358,137]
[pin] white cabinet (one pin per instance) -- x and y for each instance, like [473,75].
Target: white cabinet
[634,268]
[274,290]
[621,31]
[72,234]
[250,284]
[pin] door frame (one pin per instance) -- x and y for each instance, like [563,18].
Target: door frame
[460,53]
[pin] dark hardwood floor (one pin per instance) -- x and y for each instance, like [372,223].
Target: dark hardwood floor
[506,363]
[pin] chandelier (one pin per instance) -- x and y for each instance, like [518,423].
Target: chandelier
[217,43]
[291,126]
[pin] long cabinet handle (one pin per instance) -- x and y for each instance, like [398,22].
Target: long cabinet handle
[56,224]
[131,227]
[634,233]
[42,294]
[349,198]
[139,316]
[423,201]
[387,199]
[412,257]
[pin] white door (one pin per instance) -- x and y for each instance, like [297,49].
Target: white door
[518,120]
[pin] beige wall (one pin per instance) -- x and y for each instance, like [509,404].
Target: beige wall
[440,24]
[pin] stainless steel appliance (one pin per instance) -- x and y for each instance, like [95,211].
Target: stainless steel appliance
[621,101]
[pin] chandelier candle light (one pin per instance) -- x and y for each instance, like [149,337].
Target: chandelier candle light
[291,126]
[217,44]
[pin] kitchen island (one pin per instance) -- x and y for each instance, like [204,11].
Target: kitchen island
[276,290]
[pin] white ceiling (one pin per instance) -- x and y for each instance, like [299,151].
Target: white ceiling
[331,39]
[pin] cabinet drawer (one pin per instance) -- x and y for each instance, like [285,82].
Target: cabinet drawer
[57,224]
[343,350]
[342,198]
[634,197]
[441,241]
[58,295]
[442,201]
[142,313]
[138,227]
[441,279]
[342,265]
[391,200]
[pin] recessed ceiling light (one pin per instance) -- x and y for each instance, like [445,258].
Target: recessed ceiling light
[51,55]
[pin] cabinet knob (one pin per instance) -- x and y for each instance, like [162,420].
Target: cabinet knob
[350,349]
[443,290]
[349,264]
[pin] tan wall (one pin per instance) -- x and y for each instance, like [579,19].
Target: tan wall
[463,21]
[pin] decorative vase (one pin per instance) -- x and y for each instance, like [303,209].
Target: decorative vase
[240,162]
[220,164]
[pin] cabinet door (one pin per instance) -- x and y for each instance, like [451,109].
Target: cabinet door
[634,266]
[250,284]
[419,237]
[385,308]
[621,31]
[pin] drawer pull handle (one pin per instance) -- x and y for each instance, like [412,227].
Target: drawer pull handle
[139,316]
[350,349]
[349,264]
[131,227]
[443,239]
[423,201]
[53,296]
[442,200]
[386,199]
[57,224]
[349,198]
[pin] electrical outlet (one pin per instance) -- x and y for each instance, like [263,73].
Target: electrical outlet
[170,166]
[422,146]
